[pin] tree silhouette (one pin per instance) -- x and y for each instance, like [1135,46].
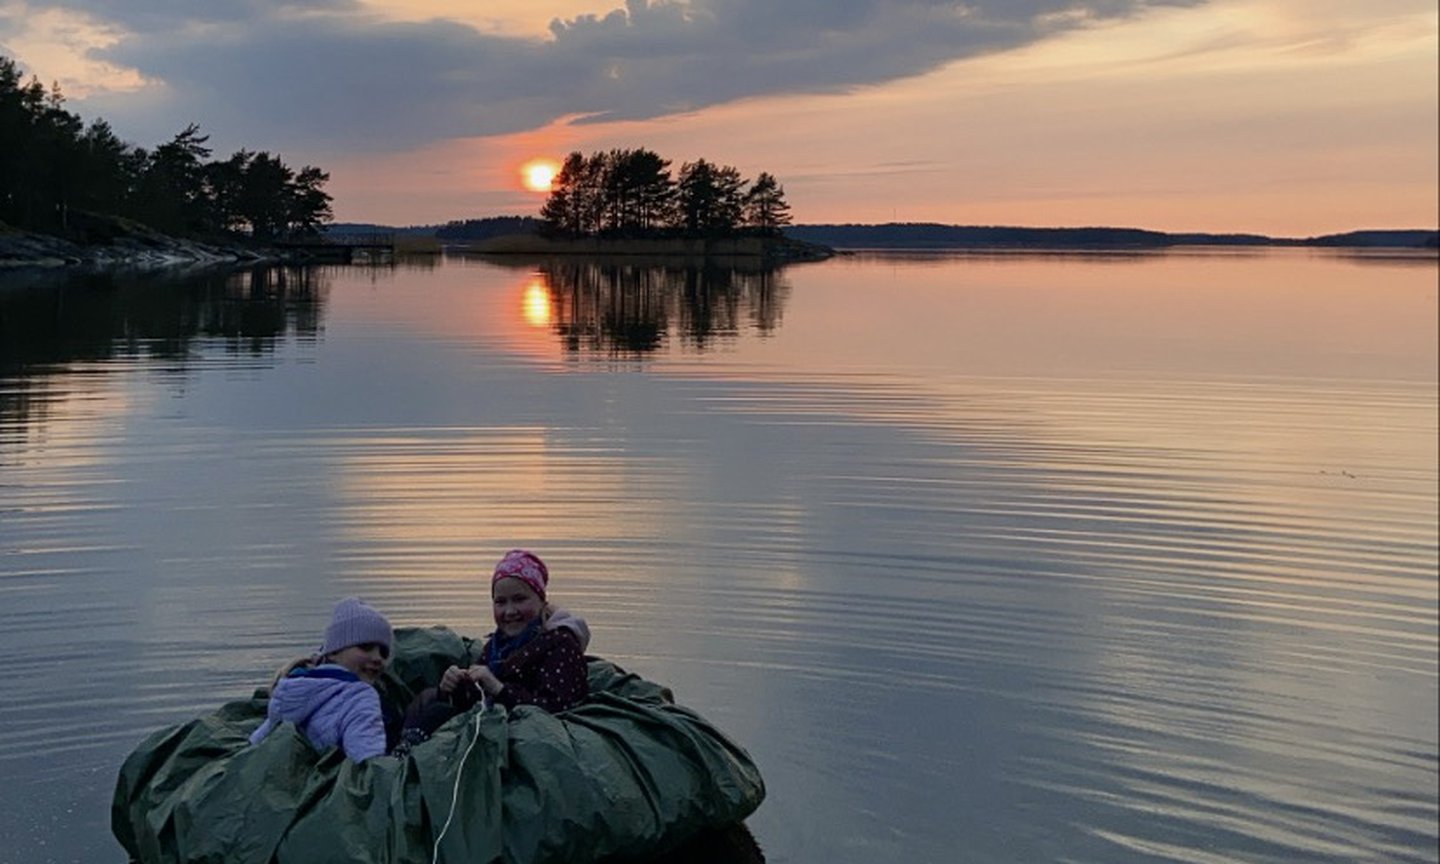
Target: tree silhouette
[22,120]
[765,206]
[109,170]
[308,202]
[567,210]
[52,166]
[638,192]
[709,199]
[172,195]
[629,193]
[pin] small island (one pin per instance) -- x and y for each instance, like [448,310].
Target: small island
[625,202]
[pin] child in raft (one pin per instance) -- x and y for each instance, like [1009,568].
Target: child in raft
[332,696]
[536,656]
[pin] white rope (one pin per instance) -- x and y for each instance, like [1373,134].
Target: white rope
[455,793]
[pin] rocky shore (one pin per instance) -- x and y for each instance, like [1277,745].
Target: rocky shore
[135,247]
[102,243]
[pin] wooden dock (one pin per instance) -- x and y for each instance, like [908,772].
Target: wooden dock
[343,247]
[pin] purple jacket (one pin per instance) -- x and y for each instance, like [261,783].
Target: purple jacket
[332,707]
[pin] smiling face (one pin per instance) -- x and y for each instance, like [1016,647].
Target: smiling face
[516,605]
[367,660]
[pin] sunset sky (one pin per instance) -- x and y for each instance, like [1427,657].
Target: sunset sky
[1285,117]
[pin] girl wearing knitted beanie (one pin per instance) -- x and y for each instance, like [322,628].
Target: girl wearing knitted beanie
[332,696]
[536,656]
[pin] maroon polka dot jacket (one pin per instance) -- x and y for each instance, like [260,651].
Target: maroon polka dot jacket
[549,671]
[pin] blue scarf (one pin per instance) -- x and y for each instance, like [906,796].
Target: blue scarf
[500,646]
[327,670]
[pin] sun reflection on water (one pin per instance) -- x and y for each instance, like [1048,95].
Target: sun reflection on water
[537,304]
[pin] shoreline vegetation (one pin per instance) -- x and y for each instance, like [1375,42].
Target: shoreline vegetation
[104,242]
[777,249]
[524,234]
[131,245]
[73,194]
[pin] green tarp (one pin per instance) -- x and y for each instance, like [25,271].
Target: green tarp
[628,774]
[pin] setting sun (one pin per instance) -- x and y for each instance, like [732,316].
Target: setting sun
[538,174]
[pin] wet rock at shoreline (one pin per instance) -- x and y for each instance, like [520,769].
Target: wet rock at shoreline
[103,242]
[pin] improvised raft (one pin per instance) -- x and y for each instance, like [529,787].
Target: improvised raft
[626,776]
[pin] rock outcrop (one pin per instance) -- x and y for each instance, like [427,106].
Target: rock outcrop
[106,242]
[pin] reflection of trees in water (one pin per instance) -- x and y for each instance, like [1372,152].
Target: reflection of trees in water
[632,308]
[48,326]
[258,307]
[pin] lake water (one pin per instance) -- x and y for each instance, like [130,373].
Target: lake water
[985,558]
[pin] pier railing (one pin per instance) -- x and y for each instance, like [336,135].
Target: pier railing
[342,246]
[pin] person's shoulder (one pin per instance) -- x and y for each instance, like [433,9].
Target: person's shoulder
[563,620]
[562,639]
[303,693]
[547,642]
[359,688]
[327,679]
[356,698]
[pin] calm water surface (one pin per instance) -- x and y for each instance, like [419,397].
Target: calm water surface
[983,558]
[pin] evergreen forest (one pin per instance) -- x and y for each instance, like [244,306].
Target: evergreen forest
[55,170]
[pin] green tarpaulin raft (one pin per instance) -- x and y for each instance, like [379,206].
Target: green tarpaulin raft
[625,776]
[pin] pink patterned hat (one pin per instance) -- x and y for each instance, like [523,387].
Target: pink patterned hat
[525,566]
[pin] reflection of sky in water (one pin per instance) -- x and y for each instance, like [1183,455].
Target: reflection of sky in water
[1089,575]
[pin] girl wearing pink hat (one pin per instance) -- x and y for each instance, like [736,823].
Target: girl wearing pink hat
[536,656]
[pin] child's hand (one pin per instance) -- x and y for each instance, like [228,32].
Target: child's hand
[453,677]
[483,678]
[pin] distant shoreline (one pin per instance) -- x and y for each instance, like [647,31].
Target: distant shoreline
[137,246]
[504,233]
[920,236]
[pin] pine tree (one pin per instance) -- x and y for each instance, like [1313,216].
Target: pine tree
[765,207]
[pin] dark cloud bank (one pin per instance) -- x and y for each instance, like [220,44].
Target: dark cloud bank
[327,75]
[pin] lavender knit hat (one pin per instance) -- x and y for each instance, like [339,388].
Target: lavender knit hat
[525,566]
[355,623]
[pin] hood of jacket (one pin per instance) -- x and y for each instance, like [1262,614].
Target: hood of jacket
[562,618]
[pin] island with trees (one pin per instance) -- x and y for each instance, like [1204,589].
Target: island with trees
[626,202]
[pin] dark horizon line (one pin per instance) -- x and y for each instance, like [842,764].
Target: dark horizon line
[943,234]
[1116,228]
